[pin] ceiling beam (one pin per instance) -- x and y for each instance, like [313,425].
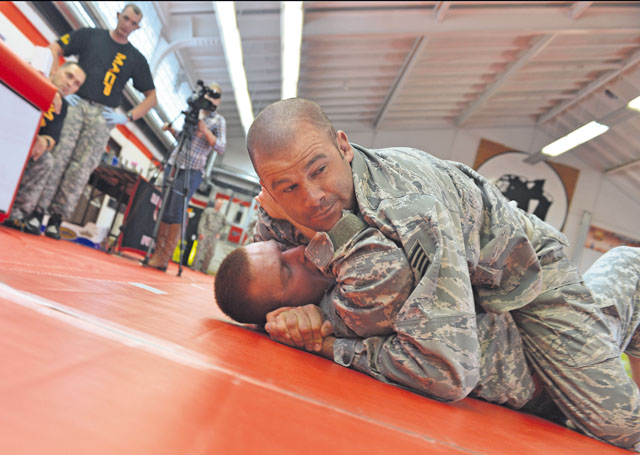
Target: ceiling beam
[511,70]
[590,88]
[412,57]
[622,167]
[490,21]
[161,53]
[440,10]
[577,9]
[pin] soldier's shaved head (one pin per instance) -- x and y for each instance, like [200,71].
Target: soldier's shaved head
[276,125]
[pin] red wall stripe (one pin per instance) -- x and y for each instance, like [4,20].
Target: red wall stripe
[126,132]
[25,80]
[23,24]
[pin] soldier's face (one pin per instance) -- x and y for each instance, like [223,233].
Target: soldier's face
[285,276]
[68,79]
[310,177]
[128,21]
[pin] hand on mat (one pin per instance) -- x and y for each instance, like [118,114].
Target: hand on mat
[276,212]
[301,326]
[72,99]
[114,118]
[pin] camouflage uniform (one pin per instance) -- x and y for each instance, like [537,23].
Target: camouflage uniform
[83,139]
[469,252]
[31,185]
[211,223]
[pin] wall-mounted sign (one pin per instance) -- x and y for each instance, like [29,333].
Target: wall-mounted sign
[544,189]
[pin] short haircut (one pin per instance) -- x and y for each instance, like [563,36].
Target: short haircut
[136,9]
[275,126]
[233,277]
[69,63]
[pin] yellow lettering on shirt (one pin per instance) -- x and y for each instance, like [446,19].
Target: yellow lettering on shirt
[110,76]
[47,115]
[65,39]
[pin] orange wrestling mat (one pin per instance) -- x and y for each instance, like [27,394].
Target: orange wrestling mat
[102,356]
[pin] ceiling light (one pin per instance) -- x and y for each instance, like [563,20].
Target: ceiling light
[291,21]
[634,104]
[228,26]
[580,136]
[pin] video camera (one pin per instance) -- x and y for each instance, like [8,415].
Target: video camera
[198,101]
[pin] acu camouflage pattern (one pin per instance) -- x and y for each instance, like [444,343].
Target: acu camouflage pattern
[31,185]
[82,142]
[373,281]
[614,280]
[470,252]
[211,223]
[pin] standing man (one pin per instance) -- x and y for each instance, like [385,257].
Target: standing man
[109,60]
[188,166]
[466,247]
[210,226]
[67,79]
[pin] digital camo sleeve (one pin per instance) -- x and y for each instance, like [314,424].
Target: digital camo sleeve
[433,347]
[281,231]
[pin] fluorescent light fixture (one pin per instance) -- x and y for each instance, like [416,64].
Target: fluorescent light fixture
[634,104]
[291,20]
[228,26]
[573,139]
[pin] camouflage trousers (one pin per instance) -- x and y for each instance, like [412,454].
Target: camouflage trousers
[31,185]
[82,142]
[574,338]
[204,252]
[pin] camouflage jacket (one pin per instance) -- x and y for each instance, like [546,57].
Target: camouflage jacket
[424,286]
[211,222]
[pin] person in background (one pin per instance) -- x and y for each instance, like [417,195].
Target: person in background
[210,136]
[68,78]
[210,228]
[109,60]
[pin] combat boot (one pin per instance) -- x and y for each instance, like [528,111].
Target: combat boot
[34,223]
[53,226]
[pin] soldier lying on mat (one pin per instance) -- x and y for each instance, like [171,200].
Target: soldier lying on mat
[290,282]
[419,246]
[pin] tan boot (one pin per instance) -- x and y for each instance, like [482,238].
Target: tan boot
[160,257]
[173,237]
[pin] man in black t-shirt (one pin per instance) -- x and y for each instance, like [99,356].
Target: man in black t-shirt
[67,79]
[109,60]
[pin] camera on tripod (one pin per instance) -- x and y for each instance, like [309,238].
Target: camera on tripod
[198,101]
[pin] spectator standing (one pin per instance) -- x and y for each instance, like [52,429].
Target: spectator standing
[109,60]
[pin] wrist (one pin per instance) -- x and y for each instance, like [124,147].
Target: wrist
[327,347]
[49,142]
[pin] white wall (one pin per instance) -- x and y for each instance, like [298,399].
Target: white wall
[594,192]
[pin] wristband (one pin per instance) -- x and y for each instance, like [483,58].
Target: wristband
[130,116]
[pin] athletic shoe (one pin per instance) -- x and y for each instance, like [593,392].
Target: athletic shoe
[53,227]
[14,223]
[33,224]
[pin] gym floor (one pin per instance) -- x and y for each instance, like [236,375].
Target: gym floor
[102,356]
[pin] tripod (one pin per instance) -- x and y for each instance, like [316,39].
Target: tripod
[183,149]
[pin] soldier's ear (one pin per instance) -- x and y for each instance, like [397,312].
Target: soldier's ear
[344,146]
